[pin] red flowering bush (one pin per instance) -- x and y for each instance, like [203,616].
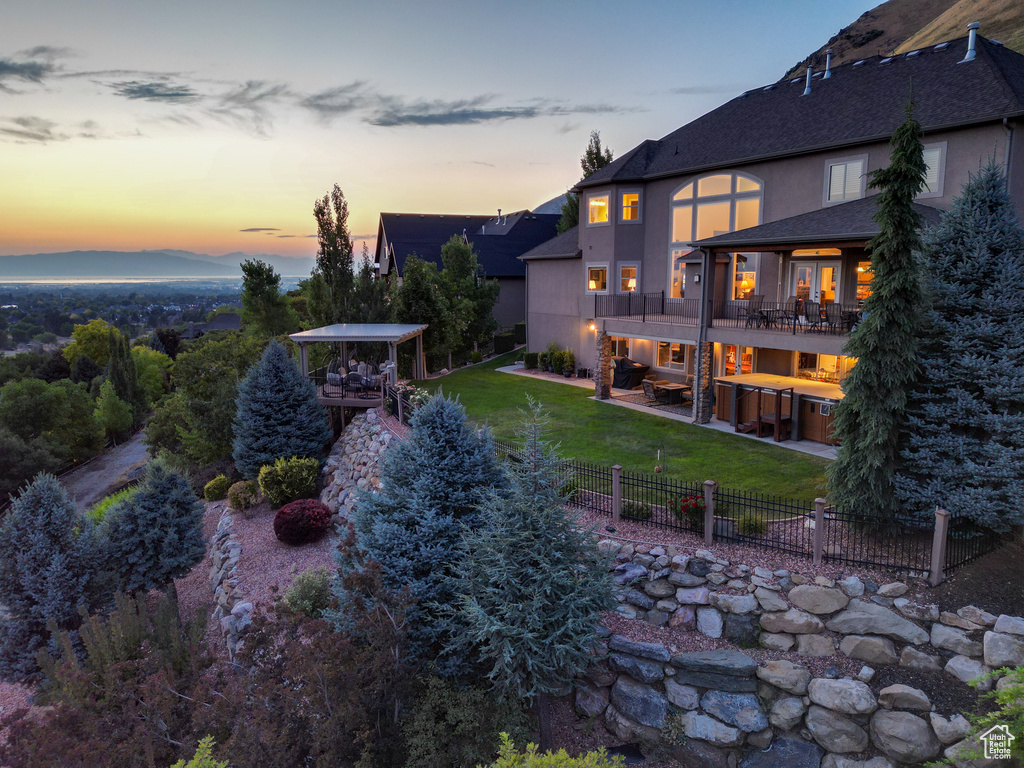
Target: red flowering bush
[301,521]
[691,507]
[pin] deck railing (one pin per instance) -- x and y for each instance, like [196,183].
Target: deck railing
[654,307]
[786,317]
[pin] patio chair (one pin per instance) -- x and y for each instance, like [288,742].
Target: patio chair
[812,316]
[354,383]
[833,316]
[751,313]
[790,311]
[652,393]
[335,374]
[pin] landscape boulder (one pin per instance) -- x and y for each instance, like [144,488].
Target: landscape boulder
[904,737]
[724,670]
[640,702]
[733,603]
[850,697]
[698,726]
[652,651]
[682,696]
[644,670]
[949,729]
[739,709]
[955,640]
[865,618]
[1011,625]
[904,697]
[870,648]
[819,600]
[794,621]
[591,701]
[786,675]
[709,622]
[787,712]
[966,669]
[785,753]
[1003,650]
[835,732]
[815,645]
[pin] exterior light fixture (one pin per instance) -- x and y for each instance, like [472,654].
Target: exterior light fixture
[591,325]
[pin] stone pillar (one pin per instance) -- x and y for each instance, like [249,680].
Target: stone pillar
[704,383]
[602,374]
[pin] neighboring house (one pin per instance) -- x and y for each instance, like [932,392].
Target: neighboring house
[497,240]
[733,249]
[226,321]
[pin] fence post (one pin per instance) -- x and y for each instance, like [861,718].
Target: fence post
[709,512]
[938,569]
[819,528]
[401,410]
[616,493]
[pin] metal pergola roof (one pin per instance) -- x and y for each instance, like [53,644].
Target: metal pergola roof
[393,333]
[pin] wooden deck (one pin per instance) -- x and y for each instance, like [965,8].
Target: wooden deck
[334,396]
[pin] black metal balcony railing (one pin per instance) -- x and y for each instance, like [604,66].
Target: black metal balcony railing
[786,317]
[648,307]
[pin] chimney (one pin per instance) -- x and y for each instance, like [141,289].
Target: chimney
[807,87]
[828,65]
[972,39]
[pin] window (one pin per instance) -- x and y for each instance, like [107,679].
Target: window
[713,205]
[597,210]
[828,368]
[935,171]
[673,356]
[620,346]
[744,273]
[597,279]
[865,273]
[629,277]
[737,360]
[844,179]
[630,207]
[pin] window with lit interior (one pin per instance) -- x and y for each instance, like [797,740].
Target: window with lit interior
[844,180]
[673,356]
[597,210]
[629,275]
[630,206]
[712,205]
[597,279]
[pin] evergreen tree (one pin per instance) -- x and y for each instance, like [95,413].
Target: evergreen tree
[156,344]
[594,158]
[121,372]
[431,485]
[48,568]
[277,414]
[330,287]
[531,584]
[157,534]
[265,310]
[870,418]
[112,413]
[85,370]
[965,420]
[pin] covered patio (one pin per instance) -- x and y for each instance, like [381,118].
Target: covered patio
[336,385]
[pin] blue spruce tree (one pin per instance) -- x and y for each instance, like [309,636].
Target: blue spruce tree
[156,535]
[531,584]
[278,414]
[431,487]
[965,443]
[49,558]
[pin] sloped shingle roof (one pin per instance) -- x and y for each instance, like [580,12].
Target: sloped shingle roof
[859,103]
[565,246]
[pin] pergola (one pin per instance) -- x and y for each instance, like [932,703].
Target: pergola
[392,334]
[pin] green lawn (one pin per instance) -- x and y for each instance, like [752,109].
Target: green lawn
[608,434]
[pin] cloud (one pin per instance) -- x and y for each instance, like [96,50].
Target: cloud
[153,90]
[285,235]
[35,130]
[247,105]
[360,237]
[261,229]
[337,101]
[26,71]
[47,52]
[395,111]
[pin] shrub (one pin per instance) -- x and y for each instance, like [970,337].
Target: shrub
[98,511]
[203,757]
[510,757]
[636,510]
[751,524]
[301,521]
[691,507]
[530,360]
[569,361]
[477,356]
[289,479]
[243,495]
[558,361]
[503,342]
[217,489]
[543,360]
[519,331]
[310,593]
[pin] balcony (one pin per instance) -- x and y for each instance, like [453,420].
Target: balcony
[649,308]
[786,317]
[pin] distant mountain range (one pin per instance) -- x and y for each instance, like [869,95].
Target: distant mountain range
[900,26]
[162,263]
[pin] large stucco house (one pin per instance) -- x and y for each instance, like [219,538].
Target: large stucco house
[733,251]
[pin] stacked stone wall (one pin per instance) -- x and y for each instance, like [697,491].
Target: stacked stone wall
[354,462]
[231,609]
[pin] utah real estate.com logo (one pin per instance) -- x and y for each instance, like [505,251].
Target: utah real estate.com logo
[997,740]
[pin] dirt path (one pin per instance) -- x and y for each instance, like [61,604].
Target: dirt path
[91,482]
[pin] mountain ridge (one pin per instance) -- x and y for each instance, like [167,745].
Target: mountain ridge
[144,263]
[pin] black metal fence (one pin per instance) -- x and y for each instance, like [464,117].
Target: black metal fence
[398,404]
[799,527]
[788,317]
[648,306]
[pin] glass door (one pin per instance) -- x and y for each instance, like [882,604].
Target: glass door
[816,281]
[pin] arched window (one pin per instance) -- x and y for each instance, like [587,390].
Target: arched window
[708,206]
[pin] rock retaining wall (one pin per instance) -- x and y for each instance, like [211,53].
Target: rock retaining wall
[231,609]
[725,701]
[353,462]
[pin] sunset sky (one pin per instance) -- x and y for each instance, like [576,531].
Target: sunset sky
[213,126]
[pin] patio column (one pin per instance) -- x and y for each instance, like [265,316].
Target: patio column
[602,375]
[304,360]
[704,383]
[421,359]
[393,359]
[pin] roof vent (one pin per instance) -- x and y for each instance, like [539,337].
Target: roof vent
[941,47]
[859,63]
[499,214]
[972,39]
[807,86]
[912,54]
[996,42]
[770,87]
[795,80]
[886,60]
[828,64]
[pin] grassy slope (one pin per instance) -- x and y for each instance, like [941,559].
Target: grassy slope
[1000,20]
[608,434]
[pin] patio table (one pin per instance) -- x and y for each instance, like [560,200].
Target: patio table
[675,392]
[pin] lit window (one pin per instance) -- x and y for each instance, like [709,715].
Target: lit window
[934,173]
[744,275]
[628,277]
[678,286]
[672,355]
[845,180]
[597,279]
[631,206]
[597,209]
[864,276]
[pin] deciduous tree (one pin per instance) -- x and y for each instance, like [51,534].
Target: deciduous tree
[420,300]
[965,428]
[93,340]
[471,296]
[871,416]
[330,287]
[265,310]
